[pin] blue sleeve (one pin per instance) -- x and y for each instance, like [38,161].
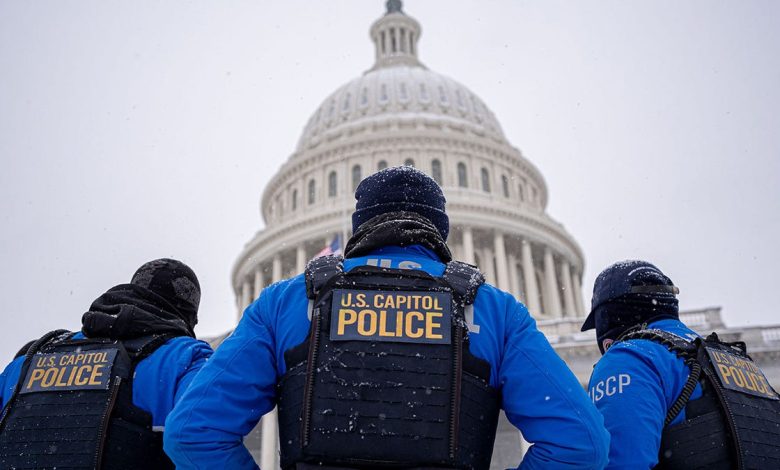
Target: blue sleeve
[542,398]
[8,380]
[226,399]
[628,388]
[161,379]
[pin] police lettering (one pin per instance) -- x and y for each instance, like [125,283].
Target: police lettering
[69,371]
[410,324]
[740,374]
[391,316]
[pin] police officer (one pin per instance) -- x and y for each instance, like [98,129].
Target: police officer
[670,398]
[395,357]
[98,398]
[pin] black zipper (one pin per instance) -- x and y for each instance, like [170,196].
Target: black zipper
[311,367]
[101,440]
[455,388]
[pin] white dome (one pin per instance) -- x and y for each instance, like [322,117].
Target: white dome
[395,92]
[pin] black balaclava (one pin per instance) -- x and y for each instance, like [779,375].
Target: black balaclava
[162,298]
[627,294]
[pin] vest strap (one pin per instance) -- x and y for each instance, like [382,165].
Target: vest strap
[464,279]
[319,271]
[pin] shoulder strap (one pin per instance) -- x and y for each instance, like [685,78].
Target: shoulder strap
[685,350]
[319,271]
[464,279]
[140,348]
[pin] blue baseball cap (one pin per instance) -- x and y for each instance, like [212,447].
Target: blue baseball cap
[627,279]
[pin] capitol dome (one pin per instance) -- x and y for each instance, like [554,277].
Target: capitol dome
[401,113]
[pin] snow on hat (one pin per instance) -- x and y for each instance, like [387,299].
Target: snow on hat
[400,188]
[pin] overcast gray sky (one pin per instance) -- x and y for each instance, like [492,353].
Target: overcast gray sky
[136,130]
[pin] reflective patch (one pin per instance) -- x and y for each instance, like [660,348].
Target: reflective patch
[55,372]
[404,317]
[740,374]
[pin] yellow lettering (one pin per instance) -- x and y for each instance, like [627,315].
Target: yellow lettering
[725,373]
[401,302]
[378,299]
[36,375]
[399,324]
[93,379]
[79,358]
[436,304]
[361,300]
[390,302]
[48,378]
[346,317]
[80,379]
[427,303]
[41,362]
[430,325]
[736,374]
[60,375]
[71,376]
[383,324]
[414,332]
[361,326]
[50,362]
[346,300]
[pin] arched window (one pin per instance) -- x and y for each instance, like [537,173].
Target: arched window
[463,181]
[294,199]
[408,162]
[332,184]
[485,180]
[521,192]
[436,171]
[356,177]
[505,185]
[312,191]
[381,165]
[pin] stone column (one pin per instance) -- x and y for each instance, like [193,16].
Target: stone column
[502,276]
[270,428]
[514,279]
[246,297]
[569,310]
[258,281]
[300,259]
[578,300]
[529,275]
[468,245]
[552,300]
[488,267]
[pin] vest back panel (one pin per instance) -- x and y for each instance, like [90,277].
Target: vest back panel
[382,385]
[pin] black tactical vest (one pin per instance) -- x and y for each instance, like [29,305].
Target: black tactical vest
[73,407]
[385,378]
[736,422]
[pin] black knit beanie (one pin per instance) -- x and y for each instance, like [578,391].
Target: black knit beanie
[400,188]
[175,282]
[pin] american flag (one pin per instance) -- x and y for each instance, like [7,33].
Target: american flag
[333,248]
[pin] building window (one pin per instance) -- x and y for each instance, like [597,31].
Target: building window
[521,192]
[312,191]
[424,93]
[294,199]
[381,165]
[436,170]
[356,177]
[364,97]
[463,181]
[402,95]
[332,181]
[443,96]
[408,162]
[345,106]
[485,180]
[383,93]
[505,185]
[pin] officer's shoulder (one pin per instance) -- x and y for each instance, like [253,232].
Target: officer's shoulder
[284,285]
[182,346]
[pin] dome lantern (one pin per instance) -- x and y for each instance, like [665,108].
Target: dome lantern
[395,37]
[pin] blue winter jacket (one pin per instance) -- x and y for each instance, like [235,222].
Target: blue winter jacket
[540,395]
[633,386]
[160,379]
